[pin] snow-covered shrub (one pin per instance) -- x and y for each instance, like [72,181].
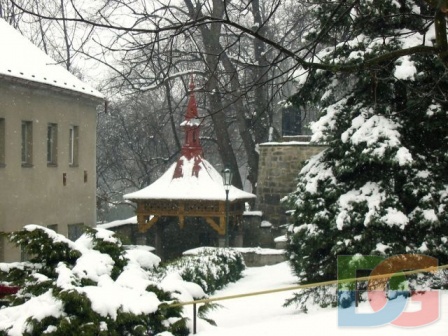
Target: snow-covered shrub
[427,281]
[90,287]
[210,268]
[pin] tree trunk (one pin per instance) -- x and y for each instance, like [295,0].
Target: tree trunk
[263,116]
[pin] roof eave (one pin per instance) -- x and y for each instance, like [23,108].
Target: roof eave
[188,199]
[36,84]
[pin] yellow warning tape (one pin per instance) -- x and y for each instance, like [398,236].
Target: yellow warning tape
[312,285]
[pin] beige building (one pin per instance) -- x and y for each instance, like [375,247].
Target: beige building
[47,143]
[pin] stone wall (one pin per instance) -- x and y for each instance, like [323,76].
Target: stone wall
[262,257]
[257,233]
[279,165]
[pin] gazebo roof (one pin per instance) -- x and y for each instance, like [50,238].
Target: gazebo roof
[206,184]
[191,177]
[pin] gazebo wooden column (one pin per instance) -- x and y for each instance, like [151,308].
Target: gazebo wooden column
[214,212]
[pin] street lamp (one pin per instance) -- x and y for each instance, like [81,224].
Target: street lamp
[227,181]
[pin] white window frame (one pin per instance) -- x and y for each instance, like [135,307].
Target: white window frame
[52,144]
[73,146]
[2,142]
[27,143]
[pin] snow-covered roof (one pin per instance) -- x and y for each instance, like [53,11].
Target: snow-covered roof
[256,213]
[117,223]
[207,185]
[20,58]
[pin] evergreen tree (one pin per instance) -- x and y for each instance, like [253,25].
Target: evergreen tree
[88,287]
[381,186]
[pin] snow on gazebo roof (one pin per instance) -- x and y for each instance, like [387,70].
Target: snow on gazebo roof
[207,185]
[191,177]
[19,58]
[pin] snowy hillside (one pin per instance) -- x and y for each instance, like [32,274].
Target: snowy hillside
[264,315]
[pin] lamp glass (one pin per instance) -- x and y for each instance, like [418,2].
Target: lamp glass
[227,177]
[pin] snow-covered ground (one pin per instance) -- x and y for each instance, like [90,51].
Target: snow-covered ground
[264,315]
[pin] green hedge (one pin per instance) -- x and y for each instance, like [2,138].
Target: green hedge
[210,268]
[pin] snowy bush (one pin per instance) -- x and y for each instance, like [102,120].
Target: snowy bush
[210,268]
[426,281]
[90,287]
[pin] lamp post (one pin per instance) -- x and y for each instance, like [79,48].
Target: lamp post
[227,180]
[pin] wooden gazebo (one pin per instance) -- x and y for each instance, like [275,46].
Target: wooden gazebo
[191,187]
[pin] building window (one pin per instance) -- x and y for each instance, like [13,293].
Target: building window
[52,143]
[53,227]
[27,143]
[75,231]
[291,121]
[2,142]
[3,242]
[73,143]
[23,255]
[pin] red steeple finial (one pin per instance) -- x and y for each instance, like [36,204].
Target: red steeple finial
[191,83]
[192,147]
[192,109]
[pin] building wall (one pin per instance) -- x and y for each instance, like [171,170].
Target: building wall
[279,165]
[38,194]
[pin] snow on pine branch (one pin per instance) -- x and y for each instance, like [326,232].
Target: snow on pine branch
[379,134]
[374,198]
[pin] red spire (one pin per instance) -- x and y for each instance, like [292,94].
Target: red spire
[192,147]
[192,109]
